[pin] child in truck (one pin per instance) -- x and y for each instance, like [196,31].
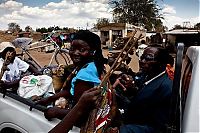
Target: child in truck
[11,67]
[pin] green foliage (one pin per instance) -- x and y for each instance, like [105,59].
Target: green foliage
[197,26]
[137,12]
[50,29]
[65,28]
[177,26]
[101,22]
[28,29]
[42,30]
[14,27]
[56,28]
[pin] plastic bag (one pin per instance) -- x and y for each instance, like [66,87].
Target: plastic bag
[35,85]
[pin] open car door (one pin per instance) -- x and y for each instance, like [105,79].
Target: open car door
[185,107]
[175,124]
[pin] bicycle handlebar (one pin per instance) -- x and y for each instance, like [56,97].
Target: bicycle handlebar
[50,37]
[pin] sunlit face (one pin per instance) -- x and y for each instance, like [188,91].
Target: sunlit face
[79,52]
[148,63]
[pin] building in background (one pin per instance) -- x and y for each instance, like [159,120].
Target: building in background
[186,36]
[110,32]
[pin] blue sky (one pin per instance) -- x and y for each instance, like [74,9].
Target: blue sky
[80,13]
[184,8]
[37,2]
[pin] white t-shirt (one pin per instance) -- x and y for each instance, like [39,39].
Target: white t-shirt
[15,69]
[140,50]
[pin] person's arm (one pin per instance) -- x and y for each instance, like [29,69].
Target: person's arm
[56,112]
[125,81]
[7,85]
[88,98]
[24,66]
[69,120]
[34,70]
[45,101]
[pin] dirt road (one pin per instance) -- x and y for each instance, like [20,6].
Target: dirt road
[44,58]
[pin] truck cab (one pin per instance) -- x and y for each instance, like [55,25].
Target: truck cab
[190,94]
[185,114]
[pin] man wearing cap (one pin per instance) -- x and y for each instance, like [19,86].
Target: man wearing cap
[11,67]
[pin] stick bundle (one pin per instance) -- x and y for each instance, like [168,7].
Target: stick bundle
[90,126]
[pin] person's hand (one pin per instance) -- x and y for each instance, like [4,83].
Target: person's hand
[2,84]
[36,98]
[117,82]
[43,101]
[38,73]
[5,85]
[5,66]
[89,98]
[6,61]
[51,113]
[113,130]
[125,81]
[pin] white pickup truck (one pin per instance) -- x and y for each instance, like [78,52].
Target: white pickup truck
[16,115]
[190,96]
[19,115]
[185,108]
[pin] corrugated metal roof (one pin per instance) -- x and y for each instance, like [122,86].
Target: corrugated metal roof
[181,31]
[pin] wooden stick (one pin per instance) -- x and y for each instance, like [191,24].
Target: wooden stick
[90,124]
[114,66]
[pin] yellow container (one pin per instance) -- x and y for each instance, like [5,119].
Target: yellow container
[57,82]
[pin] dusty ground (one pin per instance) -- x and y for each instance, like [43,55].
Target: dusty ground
[6,37]
[44,58]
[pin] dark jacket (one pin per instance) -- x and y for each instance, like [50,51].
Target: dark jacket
[151,105]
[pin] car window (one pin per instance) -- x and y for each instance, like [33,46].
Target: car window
[186,77]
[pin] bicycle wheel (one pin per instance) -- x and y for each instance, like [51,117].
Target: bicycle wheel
[62,57]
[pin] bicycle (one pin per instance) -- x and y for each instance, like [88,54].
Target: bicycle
[63,52]
[59,55]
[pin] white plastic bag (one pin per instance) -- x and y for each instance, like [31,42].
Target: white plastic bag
[35,85]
